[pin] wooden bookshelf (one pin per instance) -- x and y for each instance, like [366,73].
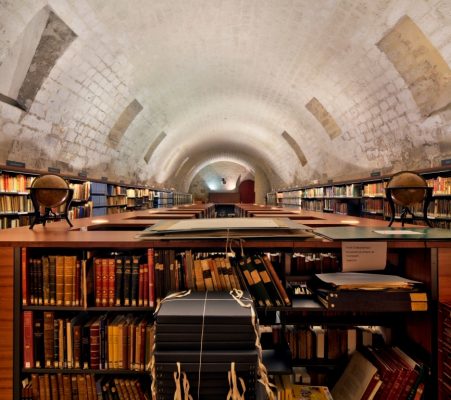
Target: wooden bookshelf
[366,197]
[428,261]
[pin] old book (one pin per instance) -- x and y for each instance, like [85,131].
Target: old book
[127,280]
[227,277]
[206,275]
[77,323]
[48,338]
[309,392]
[38,342]
[42,387]
[134,281]
[31,277]
[53,386]
[56,344]
[220,272]
[82,389]
[213,272]
[94,344]
[111,276]
[24,276]
[35,386]
[39,282]
[141,285]
[199,275]
[28,352]
[59,280]
[319,333]
[67,384]
[70,263]
[76,299]
[145,290]
[105,285]
[52,279]
[268,282]
[118,283]
[276,280]
[98,281]
[355,379]
[59,378]
[62,349]
[189,269]
[151,268]
[46,280]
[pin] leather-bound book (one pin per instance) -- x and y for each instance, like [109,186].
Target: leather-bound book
[118,283]
[28,353]
[48,338]
[38,342]
[46,280]
[59,280]
[52,279]
[98,281]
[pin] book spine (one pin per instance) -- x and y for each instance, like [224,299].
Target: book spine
[46,280]
[111,281]
[59,280]
[69,272]
[76,299]
[94,346]
[77,345]
[38,343]
[118,289]
[104,285]
[56,344]
[151,267]
[276,280]
[127,280]
[52,279]
[145,294]
[141,285]
[134,281]
[24,276]
[267,281]
[53,386]
[28,352]
[98,281]
[48,339]
[39,277]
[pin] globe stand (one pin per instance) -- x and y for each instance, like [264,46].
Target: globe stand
[50,215]
[405,209]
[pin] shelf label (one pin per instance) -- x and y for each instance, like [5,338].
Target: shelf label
[54,170]
[11,163]
[446,162]
[83,174]
[375,174]
[104,178]
[364,256]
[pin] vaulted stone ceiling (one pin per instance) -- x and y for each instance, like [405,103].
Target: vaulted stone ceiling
[151,91]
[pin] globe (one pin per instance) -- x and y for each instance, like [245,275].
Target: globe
[50,190]
[406,184]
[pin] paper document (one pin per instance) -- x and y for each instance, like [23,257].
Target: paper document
[364,256]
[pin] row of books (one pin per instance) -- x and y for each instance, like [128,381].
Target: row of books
[81,190]
[10,204]
[86,342]
[373,205]
[115,210]
[14,222]
[81,211]
[114,190]
[98,200]
[99,188]
[123,281]
[262,281]
[307,263]
[15,183]
[337,207]
[116,201]
[328,343]
[313,205]
[441,185]
[386,373]
[374,189]
[53,280]
[82,387]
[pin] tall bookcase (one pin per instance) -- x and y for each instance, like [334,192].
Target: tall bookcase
[366,197]
[92,197]
[416,332]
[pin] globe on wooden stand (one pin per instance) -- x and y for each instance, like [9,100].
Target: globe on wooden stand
[47,192]
[406,188]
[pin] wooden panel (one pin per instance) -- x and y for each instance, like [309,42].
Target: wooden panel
[6,323]
[444,262]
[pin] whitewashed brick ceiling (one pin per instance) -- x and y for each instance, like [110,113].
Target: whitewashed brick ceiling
[226,78]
